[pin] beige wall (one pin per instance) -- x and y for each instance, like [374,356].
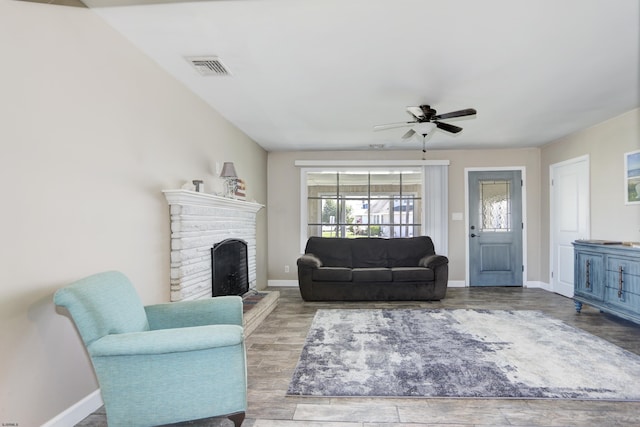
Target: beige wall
[605,144]
[284,200]
[91,132]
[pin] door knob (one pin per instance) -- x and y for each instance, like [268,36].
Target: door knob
[474,235]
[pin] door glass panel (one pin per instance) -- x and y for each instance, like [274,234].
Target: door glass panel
[495,206]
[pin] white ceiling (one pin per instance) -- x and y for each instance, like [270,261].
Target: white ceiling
[319,74]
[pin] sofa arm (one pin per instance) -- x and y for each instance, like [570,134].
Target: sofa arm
[433,261]
[309,260]
[224,310]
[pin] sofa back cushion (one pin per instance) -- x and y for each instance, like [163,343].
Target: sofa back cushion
[369,252]
[407,252]
[332,251]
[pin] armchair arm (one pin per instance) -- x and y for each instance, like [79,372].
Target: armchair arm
[433,261]
[225,310]
[309,260]
[167,341]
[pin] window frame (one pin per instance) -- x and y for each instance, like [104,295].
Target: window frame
[434,197]
[342,197]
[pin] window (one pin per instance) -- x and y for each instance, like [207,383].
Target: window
[364,203]
[374,198]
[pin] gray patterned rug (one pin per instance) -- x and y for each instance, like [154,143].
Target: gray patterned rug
[459,353]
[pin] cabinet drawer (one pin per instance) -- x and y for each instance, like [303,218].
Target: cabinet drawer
[630,266]
[626,300]
[630,284]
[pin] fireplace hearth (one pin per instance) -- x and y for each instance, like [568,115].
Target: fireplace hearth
[229,268]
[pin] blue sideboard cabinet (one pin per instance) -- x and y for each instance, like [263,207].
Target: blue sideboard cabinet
[607,277]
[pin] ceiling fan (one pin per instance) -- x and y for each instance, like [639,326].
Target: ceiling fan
[426,120]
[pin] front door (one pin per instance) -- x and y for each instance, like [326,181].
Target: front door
[495,228]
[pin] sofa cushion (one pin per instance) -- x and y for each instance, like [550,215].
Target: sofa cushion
[407,252]
[372,274]
[333,252]
[412,274]
[369,252]
[332,274]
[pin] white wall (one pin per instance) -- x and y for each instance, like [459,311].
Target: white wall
[605,144]
[91,131]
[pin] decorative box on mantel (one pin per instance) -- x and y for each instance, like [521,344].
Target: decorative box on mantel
[198,221]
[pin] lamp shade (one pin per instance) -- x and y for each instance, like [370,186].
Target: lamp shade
[228,170]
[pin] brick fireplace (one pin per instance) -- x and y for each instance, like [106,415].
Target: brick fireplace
[198,222]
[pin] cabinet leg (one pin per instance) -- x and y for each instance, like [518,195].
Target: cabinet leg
[578,306]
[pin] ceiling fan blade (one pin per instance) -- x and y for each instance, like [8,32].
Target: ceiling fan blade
[393,125]
[409,134]
[460,113]
[416,112]
[448,127]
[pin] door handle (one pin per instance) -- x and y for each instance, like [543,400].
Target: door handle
[474,235]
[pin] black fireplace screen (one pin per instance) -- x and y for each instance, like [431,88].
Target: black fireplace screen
[229,268]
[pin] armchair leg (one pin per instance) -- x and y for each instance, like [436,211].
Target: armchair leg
[237,418]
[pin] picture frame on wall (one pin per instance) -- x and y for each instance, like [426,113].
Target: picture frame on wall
[632,177]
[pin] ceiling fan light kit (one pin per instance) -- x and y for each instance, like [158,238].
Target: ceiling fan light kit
[424,128]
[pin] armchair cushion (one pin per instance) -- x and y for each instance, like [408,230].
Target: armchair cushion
[167,341]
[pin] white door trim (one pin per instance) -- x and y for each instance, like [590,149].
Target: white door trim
[523,171]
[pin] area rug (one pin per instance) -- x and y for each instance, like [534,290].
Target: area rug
[459,353]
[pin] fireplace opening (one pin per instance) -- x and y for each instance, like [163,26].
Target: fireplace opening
[229,268]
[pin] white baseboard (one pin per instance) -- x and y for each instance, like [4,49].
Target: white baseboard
[283,283]
[456,284]
[537,284]
[78,412]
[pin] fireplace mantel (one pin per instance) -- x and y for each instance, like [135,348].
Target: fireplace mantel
[198,221]
[194,198]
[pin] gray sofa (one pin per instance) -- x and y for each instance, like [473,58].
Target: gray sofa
[372,269]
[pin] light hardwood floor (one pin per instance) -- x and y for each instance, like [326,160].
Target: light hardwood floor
[274,347]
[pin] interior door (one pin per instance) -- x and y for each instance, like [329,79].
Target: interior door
[495,228]
[569,218]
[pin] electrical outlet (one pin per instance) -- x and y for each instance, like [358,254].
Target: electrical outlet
[286,268]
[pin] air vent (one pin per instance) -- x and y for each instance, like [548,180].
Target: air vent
[209,65]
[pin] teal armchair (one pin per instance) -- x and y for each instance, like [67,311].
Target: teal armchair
[164,363]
